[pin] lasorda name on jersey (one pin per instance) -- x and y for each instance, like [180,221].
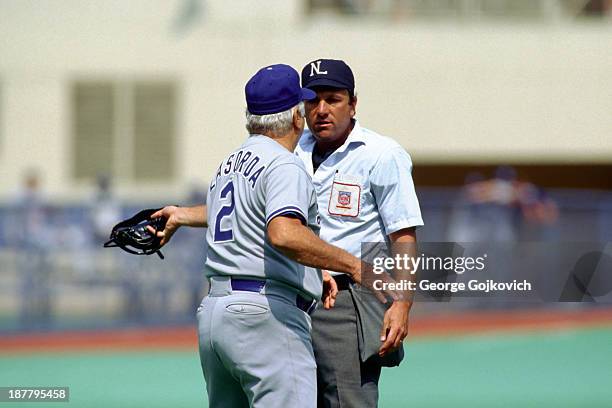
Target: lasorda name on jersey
[241,162]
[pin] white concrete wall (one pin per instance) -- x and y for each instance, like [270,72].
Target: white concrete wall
[448,92]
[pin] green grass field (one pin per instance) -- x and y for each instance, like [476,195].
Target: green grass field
[571,368]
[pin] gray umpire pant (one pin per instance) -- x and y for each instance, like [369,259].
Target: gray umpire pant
[255,349]
[343,379]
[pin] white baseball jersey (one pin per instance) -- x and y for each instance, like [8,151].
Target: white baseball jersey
[364,189]
[257,182]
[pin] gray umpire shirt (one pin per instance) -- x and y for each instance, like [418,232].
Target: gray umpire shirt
[257,182]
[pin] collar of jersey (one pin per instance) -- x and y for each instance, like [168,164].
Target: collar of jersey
[258,138]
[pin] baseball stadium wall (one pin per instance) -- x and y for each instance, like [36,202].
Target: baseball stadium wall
[153,91]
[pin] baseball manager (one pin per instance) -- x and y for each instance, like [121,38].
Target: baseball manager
[254,325]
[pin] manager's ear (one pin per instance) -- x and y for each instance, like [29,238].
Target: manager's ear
[298,120]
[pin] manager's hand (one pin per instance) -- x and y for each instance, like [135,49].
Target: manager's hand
[180,217]
[330,290]
[172,224]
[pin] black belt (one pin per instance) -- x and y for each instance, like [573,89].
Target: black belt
[254,285]
[343,281]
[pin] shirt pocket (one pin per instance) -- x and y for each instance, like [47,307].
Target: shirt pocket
[346,196]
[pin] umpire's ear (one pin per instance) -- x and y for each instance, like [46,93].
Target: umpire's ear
[353,105]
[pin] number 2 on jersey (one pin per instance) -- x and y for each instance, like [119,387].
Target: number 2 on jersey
[225,212]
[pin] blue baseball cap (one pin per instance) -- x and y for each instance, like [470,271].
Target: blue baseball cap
[274,89]
[328,72]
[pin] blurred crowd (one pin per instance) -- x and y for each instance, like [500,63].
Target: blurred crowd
[53,262]
[48,250]
[502,208]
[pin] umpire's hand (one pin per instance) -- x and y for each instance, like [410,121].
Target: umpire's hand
[395,327]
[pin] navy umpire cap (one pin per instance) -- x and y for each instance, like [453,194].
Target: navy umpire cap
[328,72]
[274,89]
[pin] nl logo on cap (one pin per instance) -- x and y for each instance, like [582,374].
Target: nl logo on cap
[316,67]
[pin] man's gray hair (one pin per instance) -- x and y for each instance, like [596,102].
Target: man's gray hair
[276,123]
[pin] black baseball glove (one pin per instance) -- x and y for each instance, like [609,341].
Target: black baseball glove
[133,236]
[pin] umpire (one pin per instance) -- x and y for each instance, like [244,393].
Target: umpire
[365,194]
